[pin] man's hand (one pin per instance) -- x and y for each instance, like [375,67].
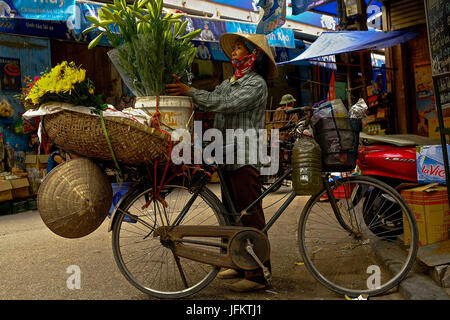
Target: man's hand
[178,88]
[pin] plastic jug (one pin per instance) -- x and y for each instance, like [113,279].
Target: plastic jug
[306,167]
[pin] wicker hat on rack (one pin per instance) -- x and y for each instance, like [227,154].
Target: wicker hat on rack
[227,40]
[74,198]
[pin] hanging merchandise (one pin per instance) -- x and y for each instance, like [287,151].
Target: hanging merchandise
[274,15]
[6,109]
[9,157]
[18,127]
[10,78]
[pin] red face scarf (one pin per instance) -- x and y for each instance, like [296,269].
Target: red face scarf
[245,64]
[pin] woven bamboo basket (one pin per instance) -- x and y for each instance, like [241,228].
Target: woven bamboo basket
[132,142]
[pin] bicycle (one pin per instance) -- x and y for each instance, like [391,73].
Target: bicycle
[175,246]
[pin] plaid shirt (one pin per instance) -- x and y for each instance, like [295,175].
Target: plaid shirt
[238,105]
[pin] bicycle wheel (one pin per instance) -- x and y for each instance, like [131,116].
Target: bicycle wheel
[148,263]
[348,252]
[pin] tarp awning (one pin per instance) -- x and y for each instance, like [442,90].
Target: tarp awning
[332,43]
[330,7]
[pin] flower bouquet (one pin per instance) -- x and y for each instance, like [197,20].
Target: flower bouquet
[65,82]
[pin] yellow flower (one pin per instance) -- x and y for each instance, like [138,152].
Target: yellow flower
[91,91]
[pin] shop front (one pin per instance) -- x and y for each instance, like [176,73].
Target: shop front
[31,46]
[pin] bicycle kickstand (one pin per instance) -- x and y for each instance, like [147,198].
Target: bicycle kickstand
[267,274]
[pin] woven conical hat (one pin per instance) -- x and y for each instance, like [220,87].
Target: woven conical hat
[74,198]
[227,41]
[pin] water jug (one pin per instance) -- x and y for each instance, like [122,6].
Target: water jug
[306,167]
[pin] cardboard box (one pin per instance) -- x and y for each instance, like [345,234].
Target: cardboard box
[5,190]
[43,158]
[31,161]
[429,204]
[430,164]
[20,188]
[30,158]
[433,127]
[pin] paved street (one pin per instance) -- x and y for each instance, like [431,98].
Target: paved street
[35,262]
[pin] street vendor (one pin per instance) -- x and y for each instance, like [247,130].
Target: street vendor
[239,103]
[280,118]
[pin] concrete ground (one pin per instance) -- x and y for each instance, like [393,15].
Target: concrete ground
[36,264]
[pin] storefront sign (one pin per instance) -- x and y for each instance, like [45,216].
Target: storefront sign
[37,28]
[72,28]
[59,10]
[208,50]
[211,29]
[243,4]
[281,37]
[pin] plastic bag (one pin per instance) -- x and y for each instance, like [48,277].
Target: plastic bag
[358,110]
[329,109]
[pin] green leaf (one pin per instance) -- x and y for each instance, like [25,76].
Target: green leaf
[94,42]
[87,30]
[106,23]
[93,20]
[107,13]
[135,5]
[110,6]
[160,6]
[192,35]
[152,8]
[139,16]
[142,3]
[182,29]
[118,5]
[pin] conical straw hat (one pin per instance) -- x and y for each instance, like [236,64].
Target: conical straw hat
[74,198]
[227,41]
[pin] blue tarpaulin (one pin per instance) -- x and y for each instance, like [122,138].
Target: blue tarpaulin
[332,43]
[328,7]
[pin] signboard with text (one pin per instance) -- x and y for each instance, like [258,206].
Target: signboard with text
[59,10]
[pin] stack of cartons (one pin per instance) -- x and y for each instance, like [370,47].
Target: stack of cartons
[5,190]
[430,207]
[20,188]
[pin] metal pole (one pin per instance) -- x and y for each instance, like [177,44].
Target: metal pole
[438,103]
[442,131]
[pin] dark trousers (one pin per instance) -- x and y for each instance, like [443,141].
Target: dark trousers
[244,186]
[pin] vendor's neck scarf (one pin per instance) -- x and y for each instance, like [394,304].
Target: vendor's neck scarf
[244,65]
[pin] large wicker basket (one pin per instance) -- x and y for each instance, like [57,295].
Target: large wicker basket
[132,142]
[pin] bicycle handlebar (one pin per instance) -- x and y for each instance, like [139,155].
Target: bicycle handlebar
[298,110]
